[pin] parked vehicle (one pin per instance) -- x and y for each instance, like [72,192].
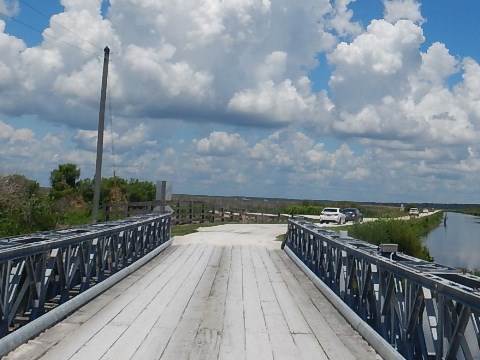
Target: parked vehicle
[332,215]
[414,212]
[353,214]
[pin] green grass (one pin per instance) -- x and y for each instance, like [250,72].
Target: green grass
[185,229]
[407,234]
[76,217]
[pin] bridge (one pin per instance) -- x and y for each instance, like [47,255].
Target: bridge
[125,290]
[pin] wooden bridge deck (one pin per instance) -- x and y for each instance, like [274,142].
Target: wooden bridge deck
[227,292]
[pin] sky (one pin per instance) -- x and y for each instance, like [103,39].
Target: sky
[366,100]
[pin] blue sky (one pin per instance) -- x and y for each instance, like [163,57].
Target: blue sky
[346,100]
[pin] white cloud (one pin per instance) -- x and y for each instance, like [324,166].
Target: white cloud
[9,7]
[247,79]
[376,64]
[342,21]
[220,144]
[174,58]
[402,10]
[437,64]
[129,140]
[277,103]
[6,131]
[356,175]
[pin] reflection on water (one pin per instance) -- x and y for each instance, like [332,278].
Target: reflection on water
[457,243]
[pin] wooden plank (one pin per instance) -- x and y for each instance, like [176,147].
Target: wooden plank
[282,342]
[309,347]
[141,327]
[340,340]
[257,343]
[207,340]
[35,349]
[331,344]
[232,345]
[292,314]
[154,345]
[90,328]
[157,279]
[180,343]
[100,343]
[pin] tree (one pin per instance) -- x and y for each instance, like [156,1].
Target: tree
[64,180]
[23,209]
[140,190]
[113,189]
[85,189]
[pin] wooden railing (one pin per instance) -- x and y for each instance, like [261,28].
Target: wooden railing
[189,212]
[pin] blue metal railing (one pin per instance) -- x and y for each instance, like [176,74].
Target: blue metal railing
[424,310]
[43,270]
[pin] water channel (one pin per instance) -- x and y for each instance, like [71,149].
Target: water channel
[457,243]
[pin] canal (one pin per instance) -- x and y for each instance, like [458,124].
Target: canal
[457,243]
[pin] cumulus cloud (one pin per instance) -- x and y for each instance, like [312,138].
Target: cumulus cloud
[241,77]
[220,144]
[278,103]
[124,142]
[402,9]
[437,64]
[342,21]
[173,59]
[377,63]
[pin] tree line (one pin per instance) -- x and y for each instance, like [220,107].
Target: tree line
[25,207]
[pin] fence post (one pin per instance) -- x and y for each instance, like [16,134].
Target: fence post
[191,212]
[203,213]
[177,211]
[213,213]
[223,214]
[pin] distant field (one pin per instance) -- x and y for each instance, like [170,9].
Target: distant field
[290,206]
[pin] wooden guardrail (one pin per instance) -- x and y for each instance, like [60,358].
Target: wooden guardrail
[189,212]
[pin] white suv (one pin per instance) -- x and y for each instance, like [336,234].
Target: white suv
[332,215]
[414,212]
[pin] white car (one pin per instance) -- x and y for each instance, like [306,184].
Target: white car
[414,212]
[332,215]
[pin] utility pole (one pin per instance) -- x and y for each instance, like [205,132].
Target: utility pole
[101,126]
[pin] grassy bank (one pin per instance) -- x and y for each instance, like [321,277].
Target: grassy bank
[407,234]
[315,207]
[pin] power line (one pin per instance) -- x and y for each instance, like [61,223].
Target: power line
[63,27]
[45,34]
[111,133]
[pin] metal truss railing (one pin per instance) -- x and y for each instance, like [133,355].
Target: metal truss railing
[43,270]
[424,310]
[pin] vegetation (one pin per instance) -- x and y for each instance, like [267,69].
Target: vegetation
[180,230]
[469,211]
[315,207]
[63,181]
[407,234]
[23,207]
